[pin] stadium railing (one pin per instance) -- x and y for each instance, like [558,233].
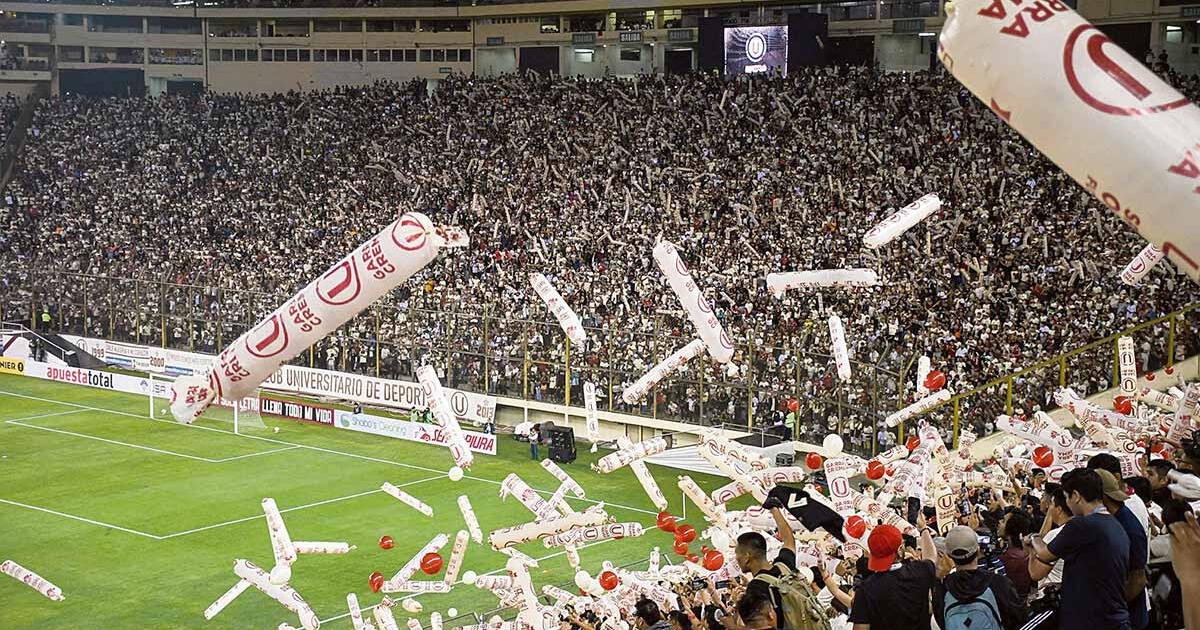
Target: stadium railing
[530,359]
[1161,342]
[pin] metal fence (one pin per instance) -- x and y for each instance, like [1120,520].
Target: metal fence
[532,359]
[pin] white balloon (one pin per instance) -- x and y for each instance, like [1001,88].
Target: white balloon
[452,612]
[455,474]
[719,539]
[582,579]
[281,574]
[468,577]
[1018,450]
[833,444]
[411,606]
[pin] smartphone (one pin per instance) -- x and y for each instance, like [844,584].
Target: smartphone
[721,584]
[699,584]
[914,509]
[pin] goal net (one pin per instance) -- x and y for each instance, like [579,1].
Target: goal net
[243,415]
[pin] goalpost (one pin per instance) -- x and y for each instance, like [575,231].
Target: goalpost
[242,414]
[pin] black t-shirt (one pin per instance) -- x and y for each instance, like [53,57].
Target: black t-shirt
[1095,549]
[896,600]
[786,557]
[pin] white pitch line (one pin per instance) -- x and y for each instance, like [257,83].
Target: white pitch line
[311,448]
[80,518]
[276,450]
[117,442]
[47,415]
[293,509]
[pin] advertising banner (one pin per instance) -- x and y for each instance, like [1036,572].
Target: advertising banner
[467,406]
[412,431]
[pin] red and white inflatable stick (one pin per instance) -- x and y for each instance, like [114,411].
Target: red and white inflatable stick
[1114,126]
[567,319]
[377,266]
[32,580]
[898,223]
[1141,265]
[435,397]
[699,311]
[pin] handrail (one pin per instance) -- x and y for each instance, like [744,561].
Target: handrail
[1058,359]
[27,330]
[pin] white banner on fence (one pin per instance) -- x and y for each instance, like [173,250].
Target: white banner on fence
[468,406]
[365,423]
[413,431]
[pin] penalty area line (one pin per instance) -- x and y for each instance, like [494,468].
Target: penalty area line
[80,518]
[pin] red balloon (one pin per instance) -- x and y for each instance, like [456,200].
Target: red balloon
[1150,376]
[686,533]
[875,469]
[856,526]
[890,470]
[1123,405]
[666,522]
[1043,456]
[714,560]
[912,442]
[609,580]
[814,461]
[693,557]
[681,548]
[1170,370]
[431,563]
[386,542]
[935,380]
[375,581]
[793,404]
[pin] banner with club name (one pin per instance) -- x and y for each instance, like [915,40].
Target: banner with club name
[470,407]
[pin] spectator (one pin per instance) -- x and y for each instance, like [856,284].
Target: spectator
[1015,526]
[535,436]
[1095,549]
[751,555]
[896,595]
[648,617]
[971,598]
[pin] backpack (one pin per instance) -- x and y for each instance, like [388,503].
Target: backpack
[975,613]
[801,610]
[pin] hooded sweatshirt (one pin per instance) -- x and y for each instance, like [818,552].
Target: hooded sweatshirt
[970,584]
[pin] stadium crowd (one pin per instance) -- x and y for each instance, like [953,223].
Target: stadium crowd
[1092,551]
[575,178]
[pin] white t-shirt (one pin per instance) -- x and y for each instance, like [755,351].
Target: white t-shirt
[1056,572]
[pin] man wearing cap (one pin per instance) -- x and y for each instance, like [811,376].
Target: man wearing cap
[968,582]
[896,595]
[1127,509]
[1096,553]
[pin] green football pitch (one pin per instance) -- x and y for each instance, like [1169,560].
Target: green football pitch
[139,521]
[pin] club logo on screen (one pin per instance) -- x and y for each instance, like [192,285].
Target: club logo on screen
[756,47]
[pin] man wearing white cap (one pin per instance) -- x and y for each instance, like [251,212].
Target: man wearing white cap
[971,597]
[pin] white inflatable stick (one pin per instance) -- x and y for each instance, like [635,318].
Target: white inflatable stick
[515,486]
[349,286]
[699,311]
[410,568]
[777,283]
[923,367]
[562,476]
[33,580]
[590,413]
[435,396]
[922,405]
[1141,265]
[226,598]
[837,347]
[1140,158]
[407,499]
[457,553]
[282,593]
[673,363]
[1127,362]
[588,535]
[892,227]
[468,513]
[626,455]
[323,547]
[567,319]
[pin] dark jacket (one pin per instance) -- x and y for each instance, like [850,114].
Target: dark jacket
[969,584]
